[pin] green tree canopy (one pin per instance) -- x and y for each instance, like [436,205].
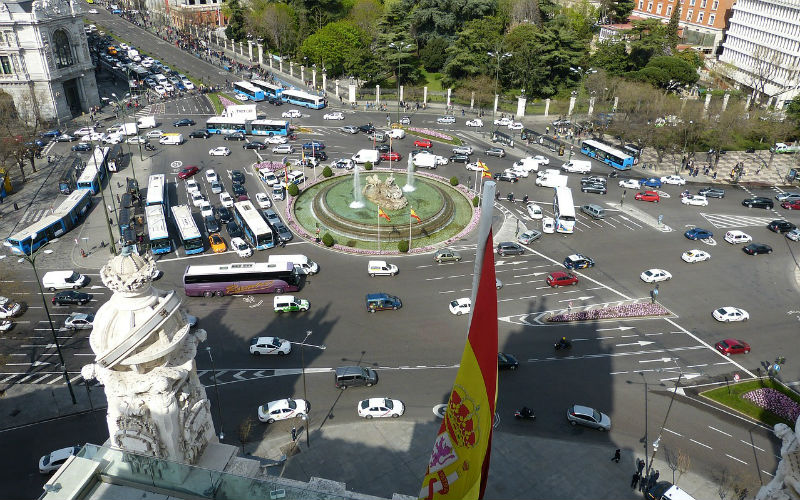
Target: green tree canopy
[433,56]
[648,39]
[611,56]
[236,24]
[340,46]
[446,18]
[467,56]
[667,72]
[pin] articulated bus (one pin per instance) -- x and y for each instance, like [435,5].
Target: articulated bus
[256,230]
[607,154]
[269,127]
[226,125]
[270,90]
[157,229]
[238,279]
[564,210]
[191,239]
[95,171]
[249,90]
[68,181]
[157,191]
[63,219]
[300,98]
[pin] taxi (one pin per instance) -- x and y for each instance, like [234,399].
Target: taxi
[217,243]
[289,303]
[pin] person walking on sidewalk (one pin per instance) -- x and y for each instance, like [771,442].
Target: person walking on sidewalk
[634,480]
[639,466]
[616,456]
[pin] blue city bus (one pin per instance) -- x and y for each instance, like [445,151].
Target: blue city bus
[607,154]
[269,127]
[63,219]
[226,125]
[301,98]
[256,230]
[157,229]
[191,238]
[68,181]
[248,90]
[95,170]
[270,90]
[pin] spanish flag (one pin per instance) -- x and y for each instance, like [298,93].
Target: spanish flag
[414,215]
[459,464]
[381,213]
[486,172]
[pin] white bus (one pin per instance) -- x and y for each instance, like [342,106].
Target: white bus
[191,239]
[95,171]
[157,229]
[300,98]
[564,210]
[255,228]
[157,191]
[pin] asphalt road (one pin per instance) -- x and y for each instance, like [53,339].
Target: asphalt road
[417,348]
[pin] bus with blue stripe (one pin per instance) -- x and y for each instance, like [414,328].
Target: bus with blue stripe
[157,229]
[270,90]
[256,230]
[226,125]
[157,191]
[607,154]
[95,171]
[302,98]
[63,219]
[191,239]
[269,127]
[248,90]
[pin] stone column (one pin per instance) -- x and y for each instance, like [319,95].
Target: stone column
[314,77]
[336,87]
[377,94]
[324,81]
[303,74]
[496,102]
[616,103]
[547,107]
[706,104]
[572,100]
[424,95]
[291,68]
[521,100]
[449,91]
[261,55]
[351,92]
[250,50]
[402,91]
[472,101]
[591,106]
[747,102]
[725,101]
[280,64]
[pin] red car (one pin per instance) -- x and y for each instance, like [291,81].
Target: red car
[187,172]
[423,143]
[732,346]
[391,156]
[648,196]
[561,278]
[791,205]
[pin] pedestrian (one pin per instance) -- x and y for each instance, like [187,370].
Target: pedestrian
[639,466]
[655,476]
[616,456]
[634,480]
[651,481]
[294,434]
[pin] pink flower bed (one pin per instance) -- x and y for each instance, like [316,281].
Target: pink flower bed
[225,101]
[431,133]
[269,165]
[774,401]
[620,311]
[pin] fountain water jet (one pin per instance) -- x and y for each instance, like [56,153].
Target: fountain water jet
[409,187]
[358,197]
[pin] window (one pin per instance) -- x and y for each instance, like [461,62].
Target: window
[691,3]
[711,19]
[703,3]
[658,9]
[62,50]
[700,17]
[649,6]
[641,4]
[714,5]
[5,65]
[689,14]
[669,10]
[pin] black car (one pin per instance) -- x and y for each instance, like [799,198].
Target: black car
[183,122]
[459,159]
[710,192]
[212,226]
[366,128]
[509,248]
[757,202]
[239,189]
[383,148]
[223,214]
[66,138]
[237,176]
[506,176]
[82,146]
[578,261]
[594,188]
[234,231]
[506,361]
[757,248]
[274,101]
[200,134]
[319,155]
[71,297]
[235,136]
[254,145]
[780,226]
[283,232]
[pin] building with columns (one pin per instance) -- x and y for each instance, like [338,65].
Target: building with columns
[182,14]
[702,21]
[762,49]
[44,59]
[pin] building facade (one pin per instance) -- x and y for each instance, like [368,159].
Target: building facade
[702,21]
[762,49]
[183,14]
[44,59]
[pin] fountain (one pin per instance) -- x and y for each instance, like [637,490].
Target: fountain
[358,197]
[409,187]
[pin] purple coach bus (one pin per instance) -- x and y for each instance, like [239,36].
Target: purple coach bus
[240,279]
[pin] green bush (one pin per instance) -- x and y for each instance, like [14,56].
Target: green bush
[327,240]
[368,166]
[402,246]
[293,190]
[454,181]
[476,201]
[327,172]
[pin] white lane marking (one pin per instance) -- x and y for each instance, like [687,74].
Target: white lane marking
[721,432]
[734,458]
[752,445]
[673,432]
[701,444]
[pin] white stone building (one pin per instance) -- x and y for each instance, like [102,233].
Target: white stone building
[44,59]
[762,49]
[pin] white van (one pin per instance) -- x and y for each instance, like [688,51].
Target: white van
[241,248]
[396,133]
[61,280]
[577,166]
[171,139]
[528,164]
[425,160]
[301,262]
[381,268]
[367,155]
[552,181]
[734,237]
[294,177]
[147,122]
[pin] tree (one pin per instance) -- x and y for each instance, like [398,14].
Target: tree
[616,11]
[667,72]
[672,29]
[274,22]
[581,18]
[21,123]
[766,64]
[447,17]
[402,246]
[433,55]
[245,428]
[611,56]
[647,39]
[517,12]
[328,240]
[482,86]
[793,109]
[337,46]
[467,57]
[236,24]
[365,14]
[327,172]
[293,190]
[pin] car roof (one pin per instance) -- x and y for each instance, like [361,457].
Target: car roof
[77,315]
[62,453]
[584,410]
[375,401]
[260,340]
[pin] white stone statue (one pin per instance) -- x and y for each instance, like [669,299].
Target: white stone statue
[786,483]
[386,194]
[145,359]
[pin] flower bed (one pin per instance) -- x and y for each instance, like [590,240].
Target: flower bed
[272,166]
[226,102]
[774,401]
[620,311]
[431,133]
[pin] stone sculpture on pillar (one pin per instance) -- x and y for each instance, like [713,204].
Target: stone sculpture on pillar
[145,359]
[786,483]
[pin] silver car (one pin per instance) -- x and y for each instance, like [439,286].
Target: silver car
[583,415]
[350,129]
[529,236]
[447,255]
[79,321]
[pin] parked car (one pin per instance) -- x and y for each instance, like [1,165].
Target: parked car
[758,202]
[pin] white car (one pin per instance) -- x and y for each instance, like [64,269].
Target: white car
[188,85]
[285,149]
[474,167]
[206,209]
[577,168]
[380,408]
[292,113]
[519,172]
[461,306]
[83,131]
[96,136]
[192,186]
[282,409]
[168,86]
[268,345]
[504,122]
[676,180]
[441,160]
[276,139]
[154,134]
[216,187]
[728,314]
[92,11]
[694,199]
[136,140]
[630,184]
[695,255]
[345,163]
[336,115]
[515,126]
[534,211]
[735,236]
[53,460]
[548,225]
[655,275]
[241,248]
[219,151]
[542,159]
[9,308]
[113,138]
[225,200]
[477,122]
[211,176]
[160,90]
[197,199]
[271,179]
[263,200]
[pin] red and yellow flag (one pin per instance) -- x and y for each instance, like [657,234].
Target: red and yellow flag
[459,464]
[381,213]
[486,172]
[414,215]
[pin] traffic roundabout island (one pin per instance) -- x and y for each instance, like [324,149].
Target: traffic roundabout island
[369,212]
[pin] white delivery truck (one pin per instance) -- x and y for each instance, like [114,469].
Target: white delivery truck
[396,133]
[577,166]
[133,55]
[425,160]
[171,139]
[556,180]
[528,164]
[147,122]
[301,262]
[380,267]
[127,129]
[367,155]
[60,280]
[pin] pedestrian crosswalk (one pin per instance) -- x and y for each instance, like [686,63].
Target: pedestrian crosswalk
[722,221]
[43,378]
[32,216]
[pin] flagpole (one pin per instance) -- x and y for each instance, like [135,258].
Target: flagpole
[410,208]
[484,227]
[379,229]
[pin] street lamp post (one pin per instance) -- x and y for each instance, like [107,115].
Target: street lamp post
[31,259]
[216,391]
[498,57]
[661,431]
[305,394]
[400,48]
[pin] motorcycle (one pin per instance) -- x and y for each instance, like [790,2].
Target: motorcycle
[563,344]
[149,147]
[613,174]
[524,413]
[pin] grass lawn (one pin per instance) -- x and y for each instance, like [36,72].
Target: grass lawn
[433,81]
[735,401]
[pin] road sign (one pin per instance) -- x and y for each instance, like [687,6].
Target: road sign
[736,377]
